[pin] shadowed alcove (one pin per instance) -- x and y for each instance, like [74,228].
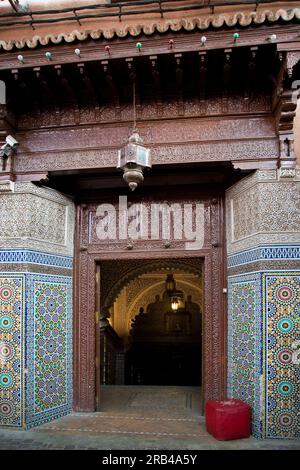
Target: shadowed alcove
[153,335]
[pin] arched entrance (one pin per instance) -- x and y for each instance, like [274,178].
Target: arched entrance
[154,331]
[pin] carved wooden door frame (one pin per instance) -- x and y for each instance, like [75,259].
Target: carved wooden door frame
[86,291]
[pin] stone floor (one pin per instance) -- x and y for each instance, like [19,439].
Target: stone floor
[134,418]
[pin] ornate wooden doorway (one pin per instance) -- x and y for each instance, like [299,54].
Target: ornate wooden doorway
[91,252]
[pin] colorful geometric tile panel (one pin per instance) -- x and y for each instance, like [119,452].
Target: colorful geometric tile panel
[244,343]
[48,348]
[12,310]
[282,304]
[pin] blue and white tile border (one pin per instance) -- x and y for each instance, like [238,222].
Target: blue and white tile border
[16,256]
[262,253]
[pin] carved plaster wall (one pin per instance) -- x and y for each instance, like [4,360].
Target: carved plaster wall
[36,218]
[263,209]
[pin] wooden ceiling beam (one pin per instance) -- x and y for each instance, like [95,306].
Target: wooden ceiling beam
[110,82]
[193,76]
[251,75]
[202,75]
[88,84]
[179,78]
[47,97]
[67,93]
[134,80]
[24,94]
[226,72]
[156,78]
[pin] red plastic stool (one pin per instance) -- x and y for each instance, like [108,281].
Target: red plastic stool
[228,419]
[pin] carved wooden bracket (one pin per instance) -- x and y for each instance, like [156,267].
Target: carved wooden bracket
[285,124]
[292,59]
[286,110]
[6,128]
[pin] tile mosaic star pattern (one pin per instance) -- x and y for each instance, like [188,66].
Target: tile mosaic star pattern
[244,343]
[263,323]
[36,370]
[49,348]
[282,303]
[12,307]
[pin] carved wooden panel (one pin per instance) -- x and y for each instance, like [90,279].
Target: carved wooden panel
[171,141]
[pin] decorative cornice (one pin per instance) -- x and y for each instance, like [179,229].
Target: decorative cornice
[142,24]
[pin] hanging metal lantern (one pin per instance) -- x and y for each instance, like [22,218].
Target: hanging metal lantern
[176,296]
[133,159]
[175,304]
[170,283]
